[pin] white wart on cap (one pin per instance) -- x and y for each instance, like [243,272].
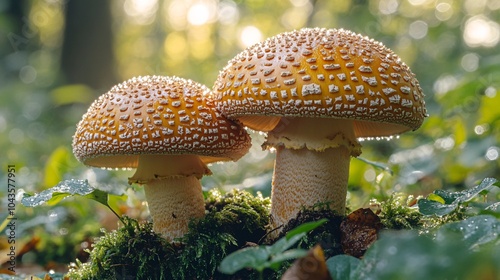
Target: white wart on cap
[169,129]
[315,91]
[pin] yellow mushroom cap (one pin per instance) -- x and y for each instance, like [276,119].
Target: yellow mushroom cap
[327,73]
[156,115]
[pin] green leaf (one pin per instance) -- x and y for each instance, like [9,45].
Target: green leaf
[262,257]
[306,227]
[58,163]
[468,194]
[55,194]
[288,255]
[443,202]
[99,196]
[432,207]
[460,131]
[493,209]
[488,112]
[251,257]
[376,164]
[293,236]
[435,197]
[75,93]
[64,189]
[285,243]
[473,232]
[447,256]
[342,267]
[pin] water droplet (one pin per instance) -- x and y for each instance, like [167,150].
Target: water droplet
[52,215]
[392,250]
[84,245]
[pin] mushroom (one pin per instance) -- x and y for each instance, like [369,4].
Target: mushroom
[169,129]
[315,91]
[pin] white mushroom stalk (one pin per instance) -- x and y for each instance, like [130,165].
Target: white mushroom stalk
[312,165]
[173,191]
[169,129]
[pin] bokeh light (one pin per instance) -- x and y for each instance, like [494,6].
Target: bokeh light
[445,143]
[418,29]
[388,7]
[202,12]
[297,16]
[250,35]
[176,14]
[492,153]
[141,11]
[27,74]
[420,2]
[444,84]
[444,11]
[228,13]
[481,31]
[490,92]
[470,62]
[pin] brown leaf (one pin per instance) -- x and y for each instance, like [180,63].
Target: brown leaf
[22,247]
[6,271]
[312,266]
[358,231]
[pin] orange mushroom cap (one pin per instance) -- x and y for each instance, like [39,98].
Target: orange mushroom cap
[326,73]
[156,115]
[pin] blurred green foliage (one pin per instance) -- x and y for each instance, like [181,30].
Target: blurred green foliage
[452,47]
[468,249]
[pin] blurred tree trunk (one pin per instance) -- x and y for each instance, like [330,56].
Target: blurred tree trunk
[15,12]
[16,39]
[87,51]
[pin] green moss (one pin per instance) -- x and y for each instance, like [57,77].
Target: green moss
[327,235]
[232,220]
[135,251]
[400,212]
[239,213]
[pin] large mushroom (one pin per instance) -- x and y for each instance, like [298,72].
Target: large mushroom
[315,91]
[167,128]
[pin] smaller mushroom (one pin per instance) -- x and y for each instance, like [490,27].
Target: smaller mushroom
[167,128]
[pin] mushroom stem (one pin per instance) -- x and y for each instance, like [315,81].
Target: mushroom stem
[173,191]
[304,177]
[155,166]
[312,165]
[173,202]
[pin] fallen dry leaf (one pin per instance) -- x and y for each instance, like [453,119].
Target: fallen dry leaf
[358,231]
[312,266]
